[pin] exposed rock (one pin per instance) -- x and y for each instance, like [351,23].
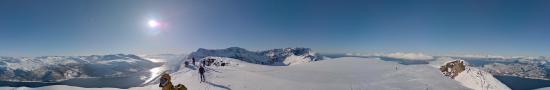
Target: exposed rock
[470,77]
[452,69]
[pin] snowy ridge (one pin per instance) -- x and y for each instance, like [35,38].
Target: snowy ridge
[468,76]
[285,56]
[480,80]
[58,68]
[335,74]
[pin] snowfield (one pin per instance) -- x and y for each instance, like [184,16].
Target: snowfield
[347,73]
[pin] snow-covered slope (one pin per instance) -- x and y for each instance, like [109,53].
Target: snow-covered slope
[468,76]
[285,56]
[348,73]
[57,68]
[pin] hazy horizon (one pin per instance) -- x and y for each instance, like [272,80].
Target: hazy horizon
[434,27]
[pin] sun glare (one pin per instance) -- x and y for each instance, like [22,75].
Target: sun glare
[153,23]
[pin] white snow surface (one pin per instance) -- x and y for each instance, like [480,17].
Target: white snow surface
[479,80]
[294,59]
[347,73]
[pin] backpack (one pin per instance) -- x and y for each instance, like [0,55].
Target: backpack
[201,70]
[180,87]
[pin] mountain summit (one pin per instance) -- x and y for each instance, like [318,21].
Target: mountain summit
[279,57]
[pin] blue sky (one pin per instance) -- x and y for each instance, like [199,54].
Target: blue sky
[83,27]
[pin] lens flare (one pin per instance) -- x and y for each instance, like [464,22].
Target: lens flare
[153,23]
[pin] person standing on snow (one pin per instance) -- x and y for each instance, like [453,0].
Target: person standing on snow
[193,58]
[201,73]
[204,63]
[186,63]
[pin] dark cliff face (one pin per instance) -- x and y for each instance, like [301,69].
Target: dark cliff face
[452,69]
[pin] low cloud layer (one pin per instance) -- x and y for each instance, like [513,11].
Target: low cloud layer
[410,56]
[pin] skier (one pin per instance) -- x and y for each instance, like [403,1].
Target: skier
[193,58]
[201,73]
[186,64]
[203,63]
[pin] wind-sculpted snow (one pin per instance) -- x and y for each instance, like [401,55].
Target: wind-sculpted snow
[58,68]
[286,56]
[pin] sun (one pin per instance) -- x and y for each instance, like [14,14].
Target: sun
[153,23]
[155,27]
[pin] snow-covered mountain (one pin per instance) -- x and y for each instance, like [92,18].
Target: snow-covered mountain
[58,68]
[243,69]
[347,73]
[468,76]
[333,74]
[517,66]
[518,70]
[284,56]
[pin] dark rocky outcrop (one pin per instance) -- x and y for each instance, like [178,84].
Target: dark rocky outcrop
[453,68]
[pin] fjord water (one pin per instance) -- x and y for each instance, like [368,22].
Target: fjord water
[133,80]
[518,83]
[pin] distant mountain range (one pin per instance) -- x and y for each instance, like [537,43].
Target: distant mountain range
[471,71]
[58,68]
[283,56]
